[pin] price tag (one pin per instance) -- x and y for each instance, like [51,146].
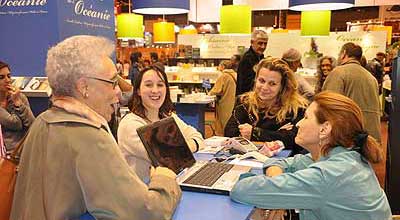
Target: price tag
[206,84]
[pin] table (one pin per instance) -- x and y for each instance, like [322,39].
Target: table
[205,206]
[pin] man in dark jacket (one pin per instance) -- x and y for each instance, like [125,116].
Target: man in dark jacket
[246,74]
[375,66]
[136,59]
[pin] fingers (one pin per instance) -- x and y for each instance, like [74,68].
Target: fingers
[288,126]
[152,170]
[275,214]
[245,130]
[265,151]
[165,172]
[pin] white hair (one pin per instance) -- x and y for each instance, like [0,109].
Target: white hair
[257,34]
[74,58]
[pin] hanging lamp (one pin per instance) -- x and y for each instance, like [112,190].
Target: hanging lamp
[163,32]
[320,5]
[159,7]
[130,25]
[315,23]
[235,19]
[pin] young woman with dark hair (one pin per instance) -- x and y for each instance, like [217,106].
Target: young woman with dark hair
[150,102]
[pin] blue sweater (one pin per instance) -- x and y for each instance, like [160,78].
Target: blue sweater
[338,186]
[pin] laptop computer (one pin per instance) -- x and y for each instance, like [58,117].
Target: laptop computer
[167,147]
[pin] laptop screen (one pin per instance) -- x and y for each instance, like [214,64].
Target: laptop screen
[166,145]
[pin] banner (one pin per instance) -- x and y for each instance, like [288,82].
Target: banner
[372,42]
[30,27]
[224,46]
[216,45]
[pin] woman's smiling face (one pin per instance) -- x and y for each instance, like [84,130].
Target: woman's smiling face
[268,85]
[152,91]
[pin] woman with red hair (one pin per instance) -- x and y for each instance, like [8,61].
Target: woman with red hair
[334,181]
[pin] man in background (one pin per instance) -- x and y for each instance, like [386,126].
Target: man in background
[246,74]
[235,60]
[375,66]
[354,81]
[136,66]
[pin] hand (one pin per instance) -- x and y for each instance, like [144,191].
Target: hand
[273,171]
[245,130]
[287,126]
[266,151]
[276,214]
[15,95]
[162,171]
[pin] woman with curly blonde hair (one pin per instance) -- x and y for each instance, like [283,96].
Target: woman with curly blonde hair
[269,112]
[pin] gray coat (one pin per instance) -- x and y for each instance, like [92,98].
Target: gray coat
[71,165]
[355,82]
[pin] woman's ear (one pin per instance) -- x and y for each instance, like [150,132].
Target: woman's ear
[325,130]
[82,87]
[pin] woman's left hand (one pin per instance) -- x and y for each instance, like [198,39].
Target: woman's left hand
[245,130]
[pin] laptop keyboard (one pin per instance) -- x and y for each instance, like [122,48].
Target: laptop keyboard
[208,174]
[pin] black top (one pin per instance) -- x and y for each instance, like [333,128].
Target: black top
[245,73]
[266,129]
[376,68]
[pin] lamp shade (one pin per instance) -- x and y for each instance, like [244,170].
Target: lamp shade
[130,26]
[163,32]
[315,23]
[158,7]
[319,5]
[235,19]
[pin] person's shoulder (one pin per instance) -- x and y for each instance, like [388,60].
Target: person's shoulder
[62,124]
[132,119]
[62,117]
[247,55]
[339,164]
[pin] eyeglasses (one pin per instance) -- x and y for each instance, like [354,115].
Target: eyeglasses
[113,81]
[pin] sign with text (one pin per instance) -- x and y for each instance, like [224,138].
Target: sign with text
[215,45]
[224,46]
[372,42]
[31,27]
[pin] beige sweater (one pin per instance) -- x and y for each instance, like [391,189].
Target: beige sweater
[225,89]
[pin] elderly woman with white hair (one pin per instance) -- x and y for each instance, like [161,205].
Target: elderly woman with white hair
[71,164]
[293,58]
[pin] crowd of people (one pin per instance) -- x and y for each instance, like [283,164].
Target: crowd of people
[332,130]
